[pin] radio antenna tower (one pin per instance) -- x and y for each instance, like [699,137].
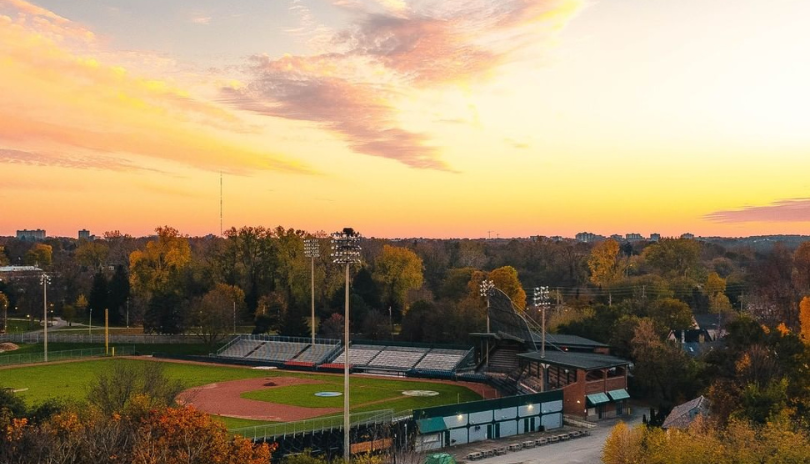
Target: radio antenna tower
[220,203]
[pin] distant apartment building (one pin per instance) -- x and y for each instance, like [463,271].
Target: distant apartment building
[85,234]
[633,237]
[587,237]
[31,235]
[688,236]
[655,237]
[617,237]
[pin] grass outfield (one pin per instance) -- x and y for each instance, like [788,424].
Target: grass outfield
[366,394]
[70,380]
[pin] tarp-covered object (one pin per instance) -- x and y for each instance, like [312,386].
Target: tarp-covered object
[441,458]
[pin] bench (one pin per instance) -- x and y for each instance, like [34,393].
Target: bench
[576,434]
[515,447]
[489,453]
[554,439]
[500,451]
[528,444]
[541,441]
[475,455]
[565,436]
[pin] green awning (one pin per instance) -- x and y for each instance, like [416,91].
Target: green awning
[620,394]
[597,399]
[434,424]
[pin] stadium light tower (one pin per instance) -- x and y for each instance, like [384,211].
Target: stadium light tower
[486,287]
[312,251]
[45,280]
[346,250]
[541,302]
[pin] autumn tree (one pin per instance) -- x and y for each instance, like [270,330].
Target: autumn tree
[623,445]
[671,314]
[804,319]
[801,267]
[214,316]
[506,280]
[39,255]
[93,254]
[3,257]
[673,256]
[247,260]
[156,276]
[606,265]
[126,381]
[397,270]
[158,266]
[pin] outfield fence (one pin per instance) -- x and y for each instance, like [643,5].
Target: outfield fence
[56,337]
[32,358]
[270,432]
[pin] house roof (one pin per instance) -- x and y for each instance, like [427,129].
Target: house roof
[586,361]
[683,414]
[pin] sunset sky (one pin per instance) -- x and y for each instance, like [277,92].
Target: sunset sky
[406,118]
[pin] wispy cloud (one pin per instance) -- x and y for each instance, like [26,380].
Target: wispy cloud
[31,158]
[391,49]
[56,90]
[790,210]
[201,19]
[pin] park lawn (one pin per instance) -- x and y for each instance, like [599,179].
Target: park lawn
[366,394]
[70,380]
[20,325]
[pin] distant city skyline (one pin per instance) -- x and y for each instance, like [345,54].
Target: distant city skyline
[406,118]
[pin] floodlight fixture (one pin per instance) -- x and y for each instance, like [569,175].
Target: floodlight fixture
[346,250]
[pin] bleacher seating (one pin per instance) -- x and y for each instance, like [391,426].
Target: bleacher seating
[327,354]
[315,354]
[359,355]
[396,357]
[441,360]
[277,351]
[241,348]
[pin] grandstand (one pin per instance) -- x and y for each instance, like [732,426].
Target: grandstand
[279,350]
[412,359]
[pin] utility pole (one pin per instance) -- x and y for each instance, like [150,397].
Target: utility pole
[45,280]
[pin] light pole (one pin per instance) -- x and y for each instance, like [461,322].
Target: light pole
[486,287]
[90,325]
[346,250]
[312,251]
[234,317]
[45,280]
[541,302]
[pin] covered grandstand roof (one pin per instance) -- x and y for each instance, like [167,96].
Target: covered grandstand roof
[562,340]
[587,361]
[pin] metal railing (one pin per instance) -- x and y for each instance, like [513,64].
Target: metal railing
[268,432]
[32,358]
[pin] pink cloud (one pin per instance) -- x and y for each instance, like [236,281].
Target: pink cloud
[790,210]
[394,48]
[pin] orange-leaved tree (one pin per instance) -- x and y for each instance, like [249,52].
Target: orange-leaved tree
[804,318]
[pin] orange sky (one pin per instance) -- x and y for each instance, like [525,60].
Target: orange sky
[406,118]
